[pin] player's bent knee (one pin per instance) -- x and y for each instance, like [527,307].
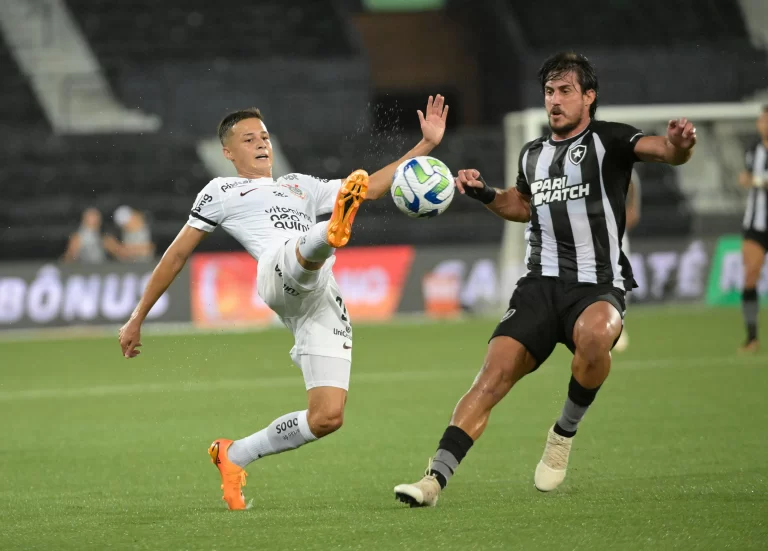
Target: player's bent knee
[326,421]
[596,336]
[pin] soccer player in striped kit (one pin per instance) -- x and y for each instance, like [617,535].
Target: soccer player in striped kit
[571,190]
[755,177]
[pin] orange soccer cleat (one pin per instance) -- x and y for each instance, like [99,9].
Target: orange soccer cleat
[232,476]
[350,197]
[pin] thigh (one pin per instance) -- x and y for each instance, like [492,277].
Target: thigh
[577,298]
[325,376]
[531,318]
[324,327]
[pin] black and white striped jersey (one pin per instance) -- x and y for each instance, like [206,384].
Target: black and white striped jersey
[756,215]
[578,190]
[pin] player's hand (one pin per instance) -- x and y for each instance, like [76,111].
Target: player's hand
[433,124]
[130,338]
[681,133]
[468,178]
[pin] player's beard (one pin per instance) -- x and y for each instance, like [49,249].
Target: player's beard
[564,127]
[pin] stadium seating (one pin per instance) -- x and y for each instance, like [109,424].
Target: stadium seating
[19,108]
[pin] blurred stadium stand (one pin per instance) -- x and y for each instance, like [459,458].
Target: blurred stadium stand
[335,105]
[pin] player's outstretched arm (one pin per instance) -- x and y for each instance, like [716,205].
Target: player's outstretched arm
[432,130]
[166,271]
[509,204]
[676,148]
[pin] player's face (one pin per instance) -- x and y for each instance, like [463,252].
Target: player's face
[566,105]
[250,148]
[762,125]
[92,219]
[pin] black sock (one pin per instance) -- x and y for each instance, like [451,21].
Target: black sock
[453,446]
[750,307]
[579,399]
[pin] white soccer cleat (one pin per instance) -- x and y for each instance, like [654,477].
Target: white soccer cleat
[623,342]
[550,472]
[423,493]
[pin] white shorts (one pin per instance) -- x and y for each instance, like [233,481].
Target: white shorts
[314,313]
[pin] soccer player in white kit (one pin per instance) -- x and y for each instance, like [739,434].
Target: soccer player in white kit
[275,221]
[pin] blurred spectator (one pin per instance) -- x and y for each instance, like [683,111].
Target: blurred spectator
[136,245]
[87,244]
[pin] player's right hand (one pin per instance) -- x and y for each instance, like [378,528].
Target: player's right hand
[468,178]
[130,338]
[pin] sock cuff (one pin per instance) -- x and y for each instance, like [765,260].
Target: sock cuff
[304,426]
[456,441]
[579,395]
[749,294]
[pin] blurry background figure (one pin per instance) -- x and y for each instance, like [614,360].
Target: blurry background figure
[755,226]
[86,245]
[136,245]
[633,217]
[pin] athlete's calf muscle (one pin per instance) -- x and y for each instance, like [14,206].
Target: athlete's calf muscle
[506,362]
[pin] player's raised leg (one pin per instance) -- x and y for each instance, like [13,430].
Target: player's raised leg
[506,362]
[594,333]
[754,255]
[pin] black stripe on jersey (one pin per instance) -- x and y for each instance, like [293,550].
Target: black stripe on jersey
[590,169]
[561,221]
[203,218]
[534,239]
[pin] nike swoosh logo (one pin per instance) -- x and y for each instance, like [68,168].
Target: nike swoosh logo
[243,193]
[347,346]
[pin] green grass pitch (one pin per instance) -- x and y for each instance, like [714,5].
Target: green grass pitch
[98,452]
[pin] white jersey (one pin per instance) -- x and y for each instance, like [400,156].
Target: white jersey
[263,213]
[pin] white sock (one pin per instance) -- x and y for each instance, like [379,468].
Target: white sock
[313,245]
[284,433]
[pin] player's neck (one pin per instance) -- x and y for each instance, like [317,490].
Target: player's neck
[253,174]
[765,143]
[557,137]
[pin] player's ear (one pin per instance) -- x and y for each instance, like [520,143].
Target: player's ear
[227,154]
[591,95]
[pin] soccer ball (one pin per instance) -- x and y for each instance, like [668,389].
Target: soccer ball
[422,187]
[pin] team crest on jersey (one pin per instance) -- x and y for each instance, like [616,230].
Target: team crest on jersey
[296,190]
[577,153]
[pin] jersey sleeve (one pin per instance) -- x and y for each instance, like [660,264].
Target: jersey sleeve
[323,192]
[207,211]
[749,160]
[522,182]
[622,139]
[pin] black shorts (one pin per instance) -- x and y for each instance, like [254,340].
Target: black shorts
[543,311]
[760,237]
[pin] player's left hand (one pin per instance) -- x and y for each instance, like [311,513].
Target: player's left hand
[681,133]
[130,338]
[433,124]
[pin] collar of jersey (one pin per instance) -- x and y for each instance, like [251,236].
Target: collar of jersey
[570,140]
[260,182]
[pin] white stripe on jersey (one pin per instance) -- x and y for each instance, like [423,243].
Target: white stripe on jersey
[610,219]
[760,210]
[527,227]
[750,209]
[577,215]
[550,265]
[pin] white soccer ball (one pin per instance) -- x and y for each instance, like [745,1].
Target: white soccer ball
[422,187]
